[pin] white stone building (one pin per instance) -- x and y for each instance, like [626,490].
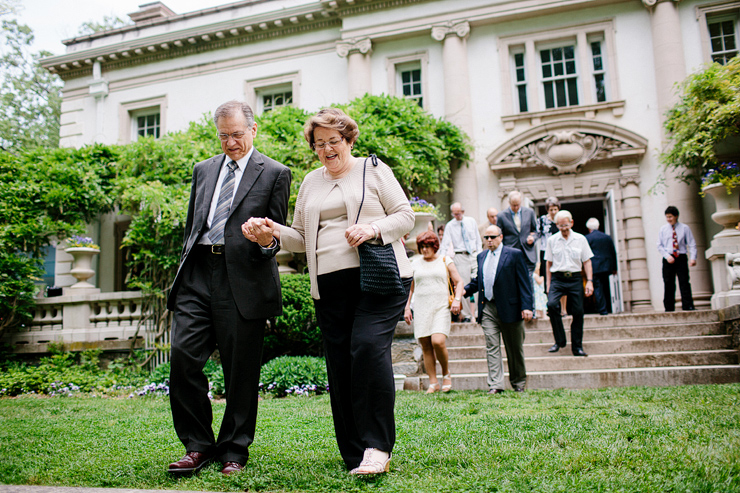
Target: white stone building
[559,97]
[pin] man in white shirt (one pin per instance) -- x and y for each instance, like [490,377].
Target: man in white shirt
[567,252]
[462,237]
[677,246]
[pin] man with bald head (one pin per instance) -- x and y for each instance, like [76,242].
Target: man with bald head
[491,220]
[504,302]
[462,237]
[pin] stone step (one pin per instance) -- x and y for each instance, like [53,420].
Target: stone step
[593,379]
[564,361]
[616,346]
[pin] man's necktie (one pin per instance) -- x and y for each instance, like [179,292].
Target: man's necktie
[675,243]
[222,207]
[466,240]
[489,276]
[518,221]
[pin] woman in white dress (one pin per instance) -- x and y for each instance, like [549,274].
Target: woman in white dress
[431,315]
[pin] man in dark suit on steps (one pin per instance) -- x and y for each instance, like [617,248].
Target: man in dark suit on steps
[603,263]
[504,302]
[225,289]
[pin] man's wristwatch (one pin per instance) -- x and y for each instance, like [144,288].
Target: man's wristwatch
[589,280]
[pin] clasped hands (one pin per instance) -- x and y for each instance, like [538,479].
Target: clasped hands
[262,230]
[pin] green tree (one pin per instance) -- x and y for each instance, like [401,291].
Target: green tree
[108,23]
[706,115]
[30,96]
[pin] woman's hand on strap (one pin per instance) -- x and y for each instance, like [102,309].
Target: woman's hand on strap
[358,234]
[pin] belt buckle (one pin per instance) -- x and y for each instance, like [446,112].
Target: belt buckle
[567,274]
[216,249]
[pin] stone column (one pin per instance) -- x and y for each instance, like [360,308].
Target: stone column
[670,69]
[637,296]
[458,105]
[357,53]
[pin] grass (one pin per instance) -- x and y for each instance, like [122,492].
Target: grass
[640,439]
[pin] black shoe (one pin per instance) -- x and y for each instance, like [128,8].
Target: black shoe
[579,352]
[689,309]
[554,349]
[496,391]
[466,320]
[518,389]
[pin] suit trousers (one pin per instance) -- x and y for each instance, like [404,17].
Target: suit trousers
[513,335]
[602,293]
[205,318]
[358,330]
[467,267]
[572,287]
[679,268]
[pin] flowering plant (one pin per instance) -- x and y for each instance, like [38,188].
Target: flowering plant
[77,241]
[421,205]
[727,174]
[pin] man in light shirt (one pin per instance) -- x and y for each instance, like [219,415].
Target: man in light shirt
[567,253]
[462,237]
[491,219]
[677,246]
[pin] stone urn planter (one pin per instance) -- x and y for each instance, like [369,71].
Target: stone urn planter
[82,266]
[728,208]
[421,224]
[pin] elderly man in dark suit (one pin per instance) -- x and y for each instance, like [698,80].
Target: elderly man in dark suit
[504,302]
[225,289]
[603,263]
[519,226]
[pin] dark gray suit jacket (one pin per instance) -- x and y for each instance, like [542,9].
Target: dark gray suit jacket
[518,239]
[253,274]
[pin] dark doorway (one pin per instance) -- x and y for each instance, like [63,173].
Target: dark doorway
[581,211]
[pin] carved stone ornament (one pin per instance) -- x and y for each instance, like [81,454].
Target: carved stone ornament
[357,45]
[566,151]
[462,29]
[733,270]
[651,3]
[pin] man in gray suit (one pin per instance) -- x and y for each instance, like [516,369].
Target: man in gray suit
[225,289]
[520,229]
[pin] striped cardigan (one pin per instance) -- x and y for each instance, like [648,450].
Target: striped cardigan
[385,205]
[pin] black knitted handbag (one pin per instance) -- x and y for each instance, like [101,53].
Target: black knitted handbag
[378,267]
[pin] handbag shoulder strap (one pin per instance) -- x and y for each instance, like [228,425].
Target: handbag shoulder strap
[449,281]
[374,160]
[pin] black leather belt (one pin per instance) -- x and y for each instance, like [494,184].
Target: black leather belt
[462,252]
[566,274]
[214,249]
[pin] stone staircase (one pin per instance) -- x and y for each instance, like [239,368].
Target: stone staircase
[652,349]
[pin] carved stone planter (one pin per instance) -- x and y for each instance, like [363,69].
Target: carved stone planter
[421,224]
[82,266]
[724,253]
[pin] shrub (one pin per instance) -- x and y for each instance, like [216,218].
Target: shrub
[294,375]
[160,376]
[296,331]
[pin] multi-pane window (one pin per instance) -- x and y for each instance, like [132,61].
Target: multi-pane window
[520,81]
[276,99]
[559,76]
[147,125]
[722,39]
[411,84]
[599,71]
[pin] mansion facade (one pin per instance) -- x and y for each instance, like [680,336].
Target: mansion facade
[560,98]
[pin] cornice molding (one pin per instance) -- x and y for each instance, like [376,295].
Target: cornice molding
[461,29]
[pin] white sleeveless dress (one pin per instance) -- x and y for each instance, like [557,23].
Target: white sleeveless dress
[431,308]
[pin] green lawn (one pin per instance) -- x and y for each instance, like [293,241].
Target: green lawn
[632,439]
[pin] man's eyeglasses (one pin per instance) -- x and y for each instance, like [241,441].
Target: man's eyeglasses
[235,136]
[491,237]
[332,143]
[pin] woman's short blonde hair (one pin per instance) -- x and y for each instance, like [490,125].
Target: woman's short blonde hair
[335,119]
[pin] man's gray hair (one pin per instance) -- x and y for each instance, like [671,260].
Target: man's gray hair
[563,214]
[592,224]
[515,193]
[231,108]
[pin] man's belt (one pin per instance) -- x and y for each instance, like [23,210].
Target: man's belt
[459,252]
[566,274]
[214,249]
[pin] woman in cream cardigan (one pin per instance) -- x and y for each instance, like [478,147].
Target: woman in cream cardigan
[357,327]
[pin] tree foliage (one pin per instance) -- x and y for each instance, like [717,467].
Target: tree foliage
[108,23]
[707,113]
[30,96]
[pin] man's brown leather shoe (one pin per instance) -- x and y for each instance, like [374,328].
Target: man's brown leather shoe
[231,467]
[192,462]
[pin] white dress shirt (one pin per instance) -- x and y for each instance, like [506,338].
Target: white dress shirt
[686,242]
[241,165]
[453,236]
[489,271]
[567,255]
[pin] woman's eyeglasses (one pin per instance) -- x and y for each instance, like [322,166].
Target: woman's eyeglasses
[332,143]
